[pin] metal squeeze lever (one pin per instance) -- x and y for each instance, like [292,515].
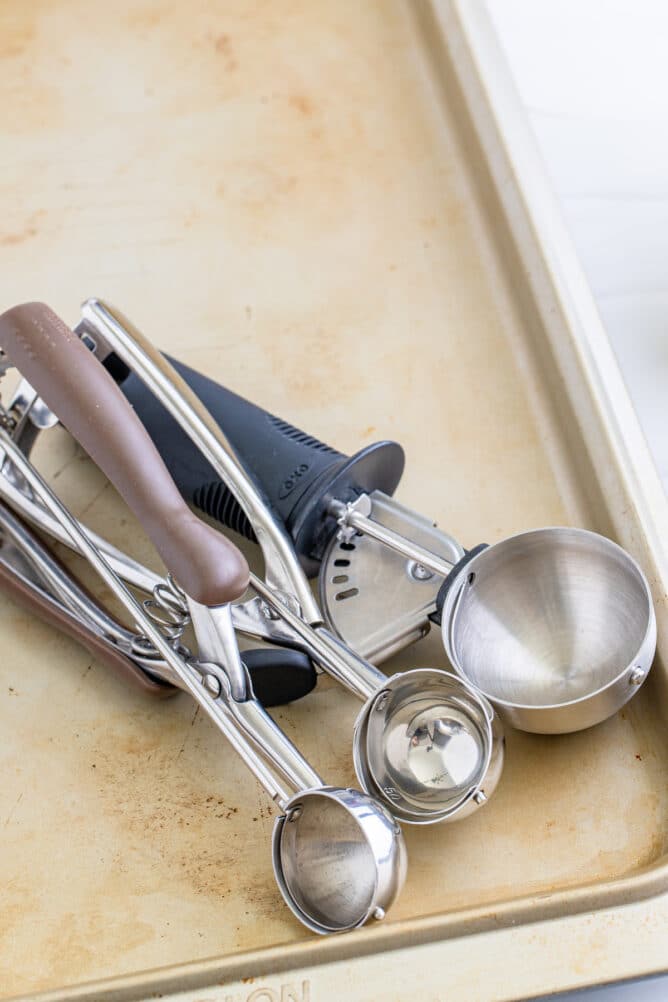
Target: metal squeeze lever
[424,742]
[338,855]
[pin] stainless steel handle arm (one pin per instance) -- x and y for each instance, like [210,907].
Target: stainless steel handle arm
[24,554]
[282,565]
[229,727]
[54,578]
[339,661]
[216,643]
[126,567]
[214,707]
[28,558]
[353,516]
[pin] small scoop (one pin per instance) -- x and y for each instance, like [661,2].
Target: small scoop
[555,626]
[429,744]
[339,858]
[339,855]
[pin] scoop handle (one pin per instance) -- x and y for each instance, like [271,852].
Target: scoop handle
[86,399]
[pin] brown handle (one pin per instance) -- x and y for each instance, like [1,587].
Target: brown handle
[86,399]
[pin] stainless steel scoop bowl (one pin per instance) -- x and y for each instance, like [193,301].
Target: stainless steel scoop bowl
[339,858]
[429,744]
[555,626]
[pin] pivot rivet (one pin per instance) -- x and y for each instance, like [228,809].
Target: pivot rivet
[419,572]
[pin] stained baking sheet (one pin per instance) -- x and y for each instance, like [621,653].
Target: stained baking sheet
[288,196]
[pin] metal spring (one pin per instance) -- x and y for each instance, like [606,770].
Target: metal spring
[7,420]
[169,611]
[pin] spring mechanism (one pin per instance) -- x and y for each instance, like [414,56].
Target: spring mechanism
[7,420]
[169,611]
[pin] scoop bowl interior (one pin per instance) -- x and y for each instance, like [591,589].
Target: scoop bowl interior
[549,618]
[339,859]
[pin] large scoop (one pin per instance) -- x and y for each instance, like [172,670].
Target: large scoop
[556,626]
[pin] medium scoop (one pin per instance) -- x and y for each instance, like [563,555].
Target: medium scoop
[430,744]
[556,626]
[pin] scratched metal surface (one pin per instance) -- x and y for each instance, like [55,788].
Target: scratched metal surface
[275,194]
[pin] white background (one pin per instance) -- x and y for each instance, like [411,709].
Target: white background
[593,77]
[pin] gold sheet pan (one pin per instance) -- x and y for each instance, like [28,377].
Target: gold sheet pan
[311,202]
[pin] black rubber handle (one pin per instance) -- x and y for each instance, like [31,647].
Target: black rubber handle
[298,474]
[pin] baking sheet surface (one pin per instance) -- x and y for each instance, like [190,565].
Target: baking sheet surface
[273,193]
